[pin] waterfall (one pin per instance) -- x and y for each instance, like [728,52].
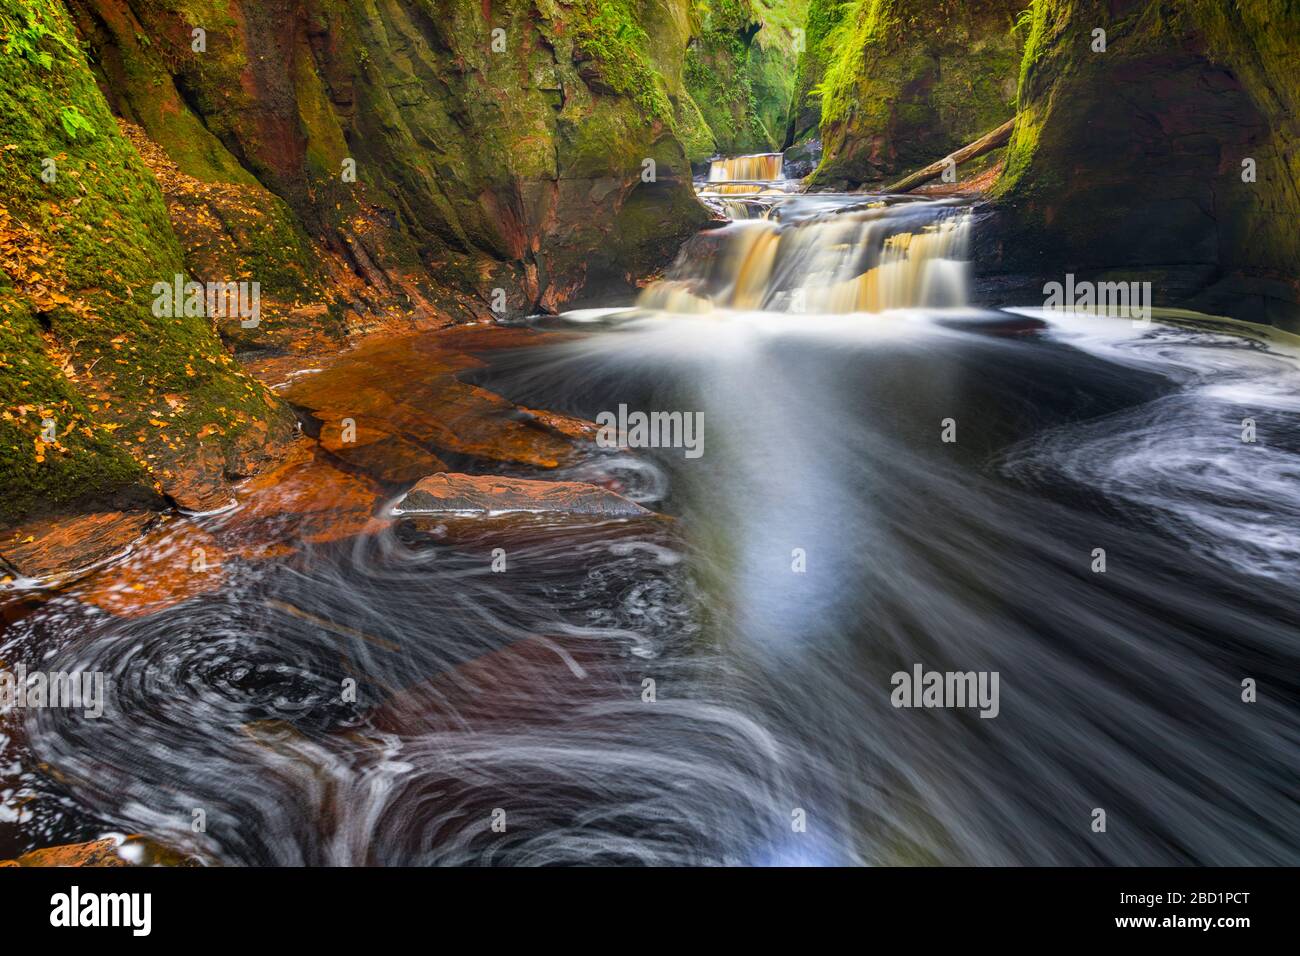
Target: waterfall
[765,167]
[746,175]
[868,258]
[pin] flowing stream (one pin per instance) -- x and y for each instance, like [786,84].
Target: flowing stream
[827,538]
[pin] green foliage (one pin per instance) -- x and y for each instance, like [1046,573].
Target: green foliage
[864,24]
[725,16]
[741,70]
[1032,21]
[1023,21]
[25,29]
[26,34]
[805,103]
[73,123]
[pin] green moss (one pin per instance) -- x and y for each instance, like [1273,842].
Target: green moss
[864,27]
[773,61]
[609,33]
[463,147]
[138,69]
[693,129]
[1020,150]
[83,461]
[1221,79]
[1032,22]
[718,78]
[805,102]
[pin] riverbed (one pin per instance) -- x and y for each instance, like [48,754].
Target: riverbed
[890,478]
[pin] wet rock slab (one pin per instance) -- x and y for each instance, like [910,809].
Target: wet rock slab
[452,494]
[63,545]
[397,408]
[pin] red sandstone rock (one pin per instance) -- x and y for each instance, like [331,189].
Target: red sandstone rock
[459,494]
[59,546]
[133,851]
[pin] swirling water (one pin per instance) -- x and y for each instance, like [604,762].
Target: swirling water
[521,698]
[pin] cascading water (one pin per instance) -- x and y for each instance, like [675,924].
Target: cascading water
[746,176]
[761,166]
[829,538]
[868,257]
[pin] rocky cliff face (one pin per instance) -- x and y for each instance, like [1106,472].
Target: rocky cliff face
[1171,155]
[902,83]
[1155,140]
[805,108]
[494,145]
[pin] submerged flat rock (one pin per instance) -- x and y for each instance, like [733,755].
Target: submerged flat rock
[65,546]
[459,494]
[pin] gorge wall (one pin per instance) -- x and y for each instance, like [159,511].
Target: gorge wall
[100,398]
[495,145]
[1171,156]
[1155,140]
[901,83]
[402,163]
[740,71]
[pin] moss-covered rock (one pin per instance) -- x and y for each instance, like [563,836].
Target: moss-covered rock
[717,76]
[243,231]
[494,145]
[805,106]
[1172,155]
[905,82]
[774,61]
[101,399]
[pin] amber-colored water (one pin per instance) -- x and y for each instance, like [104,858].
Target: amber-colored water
[763,166]
[861,257]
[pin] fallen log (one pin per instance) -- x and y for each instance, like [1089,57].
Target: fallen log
[986,143]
